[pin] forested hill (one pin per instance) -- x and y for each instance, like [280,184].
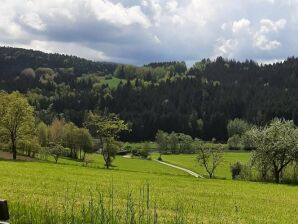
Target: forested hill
[163,95]
[14,60]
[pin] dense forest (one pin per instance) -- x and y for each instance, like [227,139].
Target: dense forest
[198,101]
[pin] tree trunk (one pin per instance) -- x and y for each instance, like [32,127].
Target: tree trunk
[14,151]
[108,156]
[276,175]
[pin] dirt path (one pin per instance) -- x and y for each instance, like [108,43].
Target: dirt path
[181,168]
[8,156]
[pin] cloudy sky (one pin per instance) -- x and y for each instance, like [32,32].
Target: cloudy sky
[142,31]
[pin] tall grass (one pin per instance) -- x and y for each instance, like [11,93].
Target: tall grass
[138,208]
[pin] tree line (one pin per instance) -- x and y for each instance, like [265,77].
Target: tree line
[198,101]
[21,131]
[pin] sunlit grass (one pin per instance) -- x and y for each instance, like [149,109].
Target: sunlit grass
[189,161]
[210,201]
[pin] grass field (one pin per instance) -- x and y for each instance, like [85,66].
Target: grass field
[190,162]
[32,184]
[112,82]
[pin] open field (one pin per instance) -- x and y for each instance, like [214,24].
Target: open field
[190,162]
[112,82]
[33,184]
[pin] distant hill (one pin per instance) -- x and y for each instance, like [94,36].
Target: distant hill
[198,101]
[14,60]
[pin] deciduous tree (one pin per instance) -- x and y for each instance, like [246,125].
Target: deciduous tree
[210,156]
[17,120]
[276,147]
[107,128]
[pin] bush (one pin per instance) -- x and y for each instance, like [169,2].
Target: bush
[143,153]
[236,169]
[57,151]
[246,173]
[234,142]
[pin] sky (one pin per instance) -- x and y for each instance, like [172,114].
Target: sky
[143,31]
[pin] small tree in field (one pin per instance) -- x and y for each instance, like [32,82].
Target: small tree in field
[236,169]
[84,141]
[17,120]
[276,147]
[57,151]
[162,142]
[210,156]
[107,128]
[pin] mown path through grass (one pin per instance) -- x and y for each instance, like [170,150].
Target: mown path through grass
[181,168]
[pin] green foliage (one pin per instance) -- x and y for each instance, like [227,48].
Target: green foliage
[30,147]
[83,141]
[161,140]
[237,127]
[276,148]
[70,138]
[17,120]
[57,151]
[247,142]
[235,142]
[236,169]
[106,127]
[143,152]
[174,142]
[210,157]
[43,134]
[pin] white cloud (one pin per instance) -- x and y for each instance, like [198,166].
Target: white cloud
[261,42]
[118,14]
[226,48]
[156,39]
[172,5]
[241,25]
[267,26]
[156,11]
[67,48]
[33,20]
[150,30]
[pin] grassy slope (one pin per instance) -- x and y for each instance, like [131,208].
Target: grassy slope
[113,82]
[213,201]
[125,164]
[190,162]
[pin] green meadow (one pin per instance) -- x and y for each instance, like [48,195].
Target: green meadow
[139,191]
[190,162]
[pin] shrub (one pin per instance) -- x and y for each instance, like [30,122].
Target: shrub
[236,169]
[144,153]
[246,173]
[234,142]
[57,151]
